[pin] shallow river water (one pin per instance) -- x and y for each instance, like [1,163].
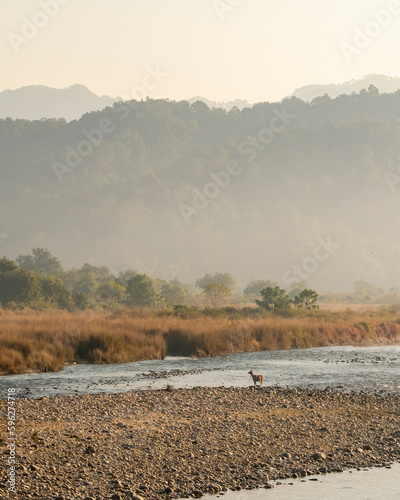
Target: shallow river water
[347,368]
[370,369]
[374,484]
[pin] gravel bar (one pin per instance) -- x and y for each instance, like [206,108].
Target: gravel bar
[188,442]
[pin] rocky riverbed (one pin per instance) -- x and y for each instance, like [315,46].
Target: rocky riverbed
[188,442]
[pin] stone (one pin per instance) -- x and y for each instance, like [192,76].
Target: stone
[214,488]
[165,452]
[116,484]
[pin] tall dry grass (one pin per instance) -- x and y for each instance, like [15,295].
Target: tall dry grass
[45,341]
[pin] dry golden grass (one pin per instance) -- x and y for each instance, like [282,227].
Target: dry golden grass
[337,307]
[46,340]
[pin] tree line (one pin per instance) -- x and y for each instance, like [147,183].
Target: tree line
[39,281]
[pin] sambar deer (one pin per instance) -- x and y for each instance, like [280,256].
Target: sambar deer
[256,378]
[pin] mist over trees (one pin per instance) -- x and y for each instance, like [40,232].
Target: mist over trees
[24,283]
[174,190]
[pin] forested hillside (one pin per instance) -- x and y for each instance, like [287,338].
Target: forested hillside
[177,190]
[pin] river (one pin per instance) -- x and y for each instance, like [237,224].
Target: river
[374,484]
[369,369]
[372,369]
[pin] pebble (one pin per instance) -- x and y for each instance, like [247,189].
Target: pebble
[147,445]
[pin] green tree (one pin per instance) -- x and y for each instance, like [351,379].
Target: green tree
[41,262]
[225,279]
[70,278]
[54,291]
[216,294]
[101,274]
[125,276]
[87,283]
[140,291]
[17,285]
[111,291]
[255,286]
[81,300]
[297,288]
[173,293]
[274,299]
[307,299]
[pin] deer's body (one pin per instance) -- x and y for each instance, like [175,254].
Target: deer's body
[256,378]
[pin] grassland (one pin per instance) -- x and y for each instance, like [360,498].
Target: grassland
[47,340]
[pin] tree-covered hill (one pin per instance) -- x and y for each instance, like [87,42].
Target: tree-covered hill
[177,190]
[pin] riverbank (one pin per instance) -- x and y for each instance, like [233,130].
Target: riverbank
[45,341]
[181,443]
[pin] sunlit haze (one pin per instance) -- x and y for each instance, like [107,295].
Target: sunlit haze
[277,175]
[258,50]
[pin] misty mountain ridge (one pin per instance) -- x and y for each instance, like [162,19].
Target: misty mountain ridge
[280,191]
[385,84]
[35,102]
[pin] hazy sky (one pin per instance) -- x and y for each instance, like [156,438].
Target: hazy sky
[221,49]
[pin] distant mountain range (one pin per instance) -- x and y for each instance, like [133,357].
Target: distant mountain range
[38,101]
[385,84]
